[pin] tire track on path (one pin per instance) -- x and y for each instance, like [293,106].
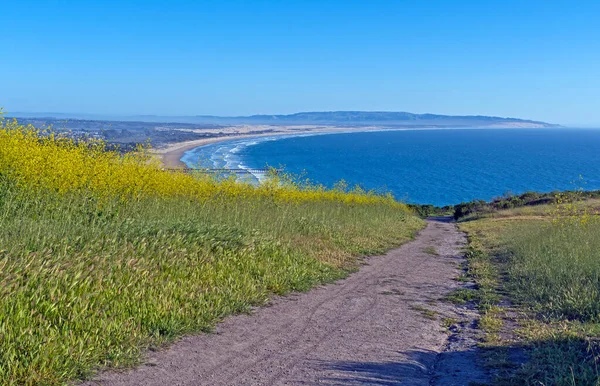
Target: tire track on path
[366,329]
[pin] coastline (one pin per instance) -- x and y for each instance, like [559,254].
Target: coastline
[170,155]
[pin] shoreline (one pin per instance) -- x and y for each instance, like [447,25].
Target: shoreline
[170,155]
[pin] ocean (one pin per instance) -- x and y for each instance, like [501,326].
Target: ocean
[440,167]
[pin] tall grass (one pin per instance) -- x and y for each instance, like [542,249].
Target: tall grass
[556,268]
[550,266]
[103,256]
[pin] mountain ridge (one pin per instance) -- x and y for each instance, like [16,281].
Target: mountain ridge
[393,118]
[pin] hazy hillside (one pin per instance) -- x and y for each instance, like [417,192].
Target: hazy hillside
[353,118]
[383,117]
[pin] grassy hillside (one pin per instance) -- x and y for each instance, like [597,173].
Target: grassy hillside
[103,255]
[538,275]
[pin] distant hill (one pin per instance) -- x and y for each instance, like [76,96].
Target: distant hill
[386,118]
[336,118]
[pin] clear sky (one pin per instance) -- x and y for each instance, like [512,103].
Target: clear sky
[527,58]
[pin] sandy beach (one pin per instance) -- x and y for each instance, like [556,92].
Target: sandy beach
[171,154]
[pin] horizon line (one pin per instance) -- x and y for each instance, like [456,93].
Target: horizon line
[129,115]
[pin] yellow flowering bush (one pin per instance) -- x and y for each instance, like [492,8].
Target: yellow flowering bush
[42,160]
[103,254]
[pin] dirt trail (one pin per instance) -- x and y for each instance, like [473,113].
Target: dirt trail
[372,328]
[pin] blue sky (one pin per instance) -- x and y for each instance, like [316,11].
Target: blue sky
[529,59]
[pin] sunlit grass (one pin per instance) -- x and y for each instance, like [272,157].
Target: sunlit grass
[556,269]
[103,255]
[548,267]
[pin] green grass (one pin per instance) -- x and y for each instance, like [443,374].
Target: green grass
[555,269]
[84,286]
[482,271]
[431,251]
[549,273]
[425,312]
[449,322]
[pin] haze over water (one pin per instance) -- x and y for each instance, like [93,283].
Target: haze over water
[440,167]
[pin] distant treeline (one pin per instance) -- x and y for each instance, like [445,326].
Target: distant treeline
[506,201]
[430,210]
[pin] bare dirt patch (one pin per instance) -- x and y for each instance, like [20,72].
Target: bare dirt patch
[386,324]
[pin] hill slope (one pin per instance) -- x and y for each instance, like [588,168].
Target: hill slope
[355,118]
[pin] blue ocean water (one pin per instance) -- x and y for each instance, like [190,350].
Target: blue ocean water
[440,167]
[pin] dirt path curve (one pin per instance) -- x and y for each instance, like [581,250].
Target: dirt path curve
[372,328]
